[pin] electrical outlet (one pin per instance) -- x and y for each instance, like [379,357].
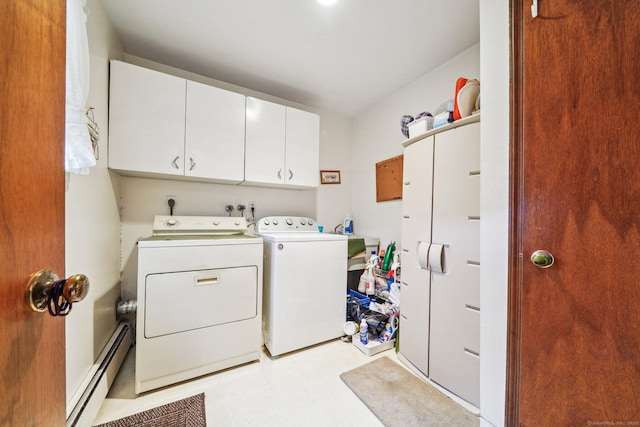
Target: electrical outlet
[171,202]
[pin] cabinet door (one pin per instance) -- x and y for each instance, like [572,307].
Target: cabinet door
[264,142]
[414,291]
[417,178]
[302,140]
[146,120]
[416,237]
[214,134]
[454,359]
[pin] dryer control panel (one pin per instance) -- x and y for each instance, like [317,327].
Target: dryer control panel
[288,224]
[164,225]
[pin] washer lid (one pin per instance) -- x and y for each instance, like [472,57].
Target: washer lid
[302,237]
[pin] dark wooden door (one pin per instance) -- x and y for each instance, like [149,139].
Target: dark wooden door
[32,103]
[575,327]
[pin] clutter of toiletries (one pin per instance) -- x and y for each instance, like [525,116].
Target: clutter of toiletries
[373,310]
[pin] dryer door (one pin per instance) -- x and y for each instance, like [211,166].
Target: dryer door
[183,301]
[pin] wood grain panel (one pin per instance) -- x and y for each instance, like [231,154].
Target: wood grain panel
[576,325]
[32,66]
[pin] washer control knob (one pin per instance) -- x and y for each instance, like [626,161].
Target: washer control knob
[275,222]
[216,222]
[237,223]
[171,222]
[289,221]
[310,222]
[266,222]
[303,222]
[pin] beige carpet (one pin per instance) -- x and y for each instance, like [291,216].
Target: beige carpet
[400,399]
[187,412]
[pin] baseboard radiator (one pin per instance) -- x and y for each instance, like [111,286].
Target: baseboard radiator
[106,368]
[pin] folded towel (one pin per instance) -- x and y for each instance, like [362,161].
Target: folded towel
[355,246]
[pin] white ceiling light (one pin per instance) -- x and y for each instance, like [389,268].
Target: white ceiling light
[327,2]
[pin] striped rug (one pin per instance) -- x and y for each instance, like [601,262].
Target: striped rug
[187,412]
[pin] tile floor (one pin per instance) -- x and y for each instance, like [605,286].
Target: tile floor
[297,389]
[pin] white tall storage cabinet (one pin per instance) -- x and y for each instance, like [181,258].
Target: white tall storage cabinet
[440,282]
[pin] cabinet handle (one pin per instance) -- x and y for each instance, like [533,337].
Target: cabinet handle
[290,174]
[174,164]
[193,164]
[280,173]
[437,261]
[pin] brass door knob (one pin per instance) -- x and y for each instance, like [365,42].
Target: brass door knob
[45,291]
[542,259]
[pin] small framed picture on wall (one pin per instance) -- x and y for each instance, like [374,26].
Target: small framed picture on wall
[329,177]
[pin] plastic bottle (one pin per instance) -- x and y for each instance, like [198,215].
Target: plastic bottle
[388,256]
[347,225]
[390,280]
[395,264]
[362,284]
[373,259]
[370,282]
[364,332]
[386,334]
[393,321]
[393,271]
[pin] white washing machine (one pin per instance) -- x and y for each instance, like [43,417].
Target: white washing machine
[305,283]
[199,299]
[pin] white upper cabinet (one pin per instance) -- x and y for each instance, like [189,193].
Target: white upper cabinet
[146,120]
[165,125]
[302,143]
[214,135]
[282,145]
[264,142]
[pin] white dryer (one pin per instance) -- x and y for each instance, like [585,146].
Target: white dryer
[199,299]
[305,283]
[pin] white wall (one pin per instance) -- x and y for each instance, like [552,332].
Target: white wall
[494,207]
[92,221]
[143,198]
[377,136]
[333,201]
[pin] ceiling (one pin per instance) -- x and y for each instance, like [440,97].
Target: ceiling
[342,58]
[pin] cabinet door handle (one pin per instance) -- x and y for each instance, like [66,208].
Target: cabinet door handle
[174,162]
[193,164]
[280,173]
[290,174]
[423,255]
[437,261]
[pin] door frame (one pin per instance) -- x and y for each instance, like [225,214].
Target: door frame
[515,270]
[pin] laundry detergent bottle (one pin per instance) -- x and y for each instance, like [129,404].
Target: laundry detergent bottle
[347,225]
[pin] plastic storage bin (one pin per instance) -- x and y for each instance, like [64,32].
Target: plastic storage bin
[356,305]
[374,346]
[422,125]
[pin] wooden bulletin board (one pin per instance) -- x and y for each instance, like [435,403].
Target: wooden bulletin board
[389,179]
